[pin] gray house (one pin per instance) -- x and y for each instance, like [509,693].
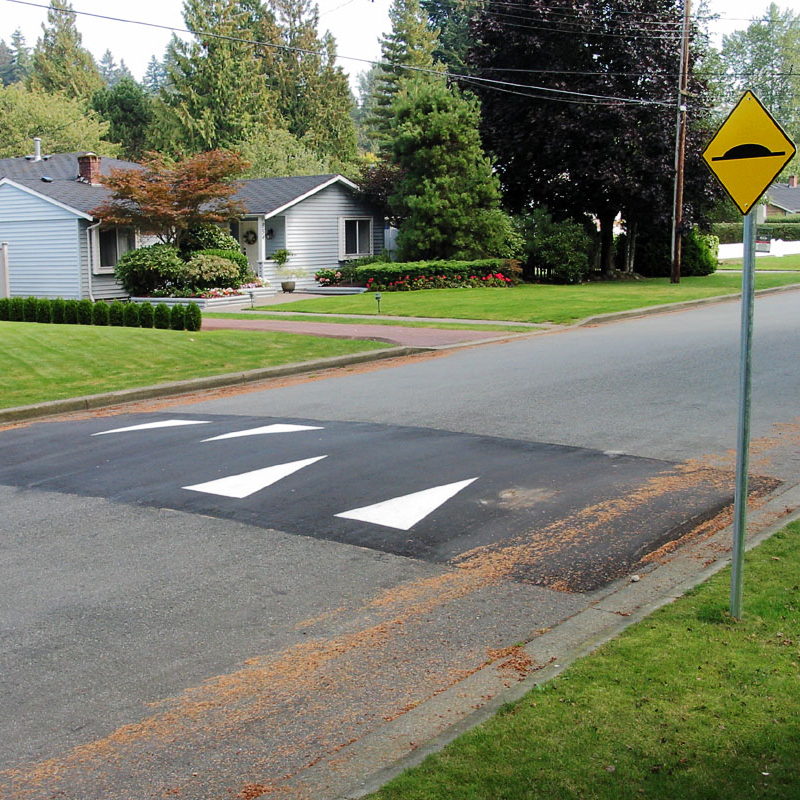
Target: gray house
[57,249]
[783,198]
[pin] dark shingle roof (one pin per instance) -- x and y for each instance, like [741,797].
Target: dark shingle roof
[258,195]
[65,187]
[267,195]
[785,197]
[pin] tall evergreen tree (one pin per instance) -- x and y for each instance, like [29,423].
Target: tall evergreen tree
[107,67]
[128,110]
[6,63]
[452,19]
[447,197]
[154,77]
[60,62]
[215,92]
[411,43]
[21,58]
[313,93]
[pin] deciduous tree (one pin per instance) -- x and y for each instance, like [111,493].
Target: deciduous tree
[167,199]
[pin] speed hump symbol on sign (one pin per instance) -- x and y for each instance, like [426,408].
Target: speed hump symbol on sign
[748,152]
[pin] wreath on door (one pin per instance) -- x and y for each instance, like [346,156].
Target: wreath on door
[250,237]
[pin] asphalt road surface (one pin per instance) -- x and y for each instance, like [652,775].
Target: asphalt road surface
[227,597]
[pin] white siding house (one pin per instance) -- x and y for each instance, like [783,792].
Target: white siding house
[56,248]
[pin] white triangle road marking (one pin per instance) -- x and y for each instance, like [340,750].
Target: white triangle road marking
[277,428]
[406,511]
[167,423]
[247,483]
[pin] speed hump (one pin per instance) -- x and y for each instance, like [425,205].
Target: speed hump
[748,152]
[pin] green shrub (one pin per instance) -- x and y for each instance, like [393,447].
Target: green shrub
[115,314]
[194,319]
[733,232]
[148,269]
[146,315]
[44,311]
[57,311]
[16,309]
[207,237]
[29,309]
[177,317]
[238,258]
[130,315]
[161,316]
[562,251]
[698,254]
[5,308]
[100,313]
[406,276]
[206,271]
[70,312]
[84,312]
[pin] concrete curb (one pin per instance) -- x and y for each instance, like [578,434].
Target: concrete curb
[96,401]
[615,609]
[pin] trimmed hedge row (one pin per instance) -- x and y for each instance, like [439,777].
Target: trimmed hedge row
[407,276]
[733,232]
[85,312]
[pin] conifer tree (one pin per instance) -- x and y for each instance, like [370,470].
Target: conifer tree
[21,58]
[447,197]
[60,62]
[215,92]
[313,93]
[154,77]
[6,63]
[411,43]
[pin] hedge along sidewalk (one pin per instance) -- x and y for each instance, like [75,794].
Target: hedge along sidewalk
[686,703]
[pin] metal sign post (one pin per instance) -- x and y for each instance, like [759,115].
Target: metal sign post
[743,427]
[746,154]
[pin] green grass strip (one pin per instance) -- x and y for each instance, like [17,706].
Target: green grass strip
[50,362]
[687,704]
[539,303]
[283,316]
[791,262]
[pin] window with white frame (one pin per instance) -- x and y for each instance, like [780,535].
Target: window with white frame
[355,237]
[111,244]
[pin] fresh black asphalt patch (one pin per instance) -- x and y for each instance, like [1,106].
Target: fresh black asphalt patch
[569,518]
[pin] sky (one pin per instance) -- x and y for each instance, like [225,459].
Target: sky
[357,26]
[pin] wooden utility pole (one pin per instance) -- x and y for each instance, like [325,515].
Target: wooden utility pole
[680,147]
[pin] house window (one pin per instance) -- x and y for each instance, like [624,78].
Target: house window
[111,244]
[355,237]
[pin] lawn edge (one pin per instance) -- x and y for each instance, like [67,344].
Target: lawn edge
[617,608]
[191,385]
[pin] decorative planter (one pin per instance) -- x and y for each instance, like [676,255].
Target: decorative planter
[287,286]
[208,303]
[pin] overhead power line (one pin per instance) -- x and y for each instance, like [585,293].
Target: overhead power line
[488,83]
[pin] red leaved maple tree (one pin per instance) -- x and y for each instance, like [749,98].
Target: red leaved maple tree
[166,199]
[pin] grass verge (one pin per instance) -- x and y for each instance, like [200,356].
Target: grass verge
[791,261]
[50,362]
[689,703]
[284,316]
[539,302]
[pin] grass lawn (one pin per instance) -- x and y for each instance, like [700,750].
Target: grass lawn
[50,362]
[538,302]
[767,262]
[687,704]
[288,317]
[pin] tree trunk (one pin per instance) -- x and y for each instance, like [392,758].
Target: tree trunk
[607,243]
[630,250]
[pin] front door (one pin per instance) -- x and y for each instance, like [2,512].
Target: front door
[248,233]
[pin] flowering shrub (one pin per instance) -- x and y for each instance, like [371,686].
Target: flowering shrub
[329,277]
[439,275]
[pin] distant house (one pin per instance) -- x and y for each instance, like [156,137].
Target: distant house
[57,249]
[783,198]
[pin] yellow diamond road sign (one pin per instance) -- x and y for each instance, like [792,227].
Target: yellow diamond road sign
[748,152]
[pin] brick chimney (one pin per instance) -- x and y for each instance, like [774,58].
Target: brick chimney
[89,168]
[793,181]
